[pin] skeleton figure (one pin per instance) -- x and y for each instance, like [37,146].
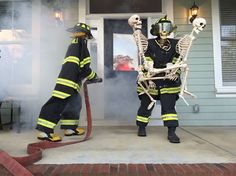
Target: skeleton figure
[159,78]
[182,48]
[141,41]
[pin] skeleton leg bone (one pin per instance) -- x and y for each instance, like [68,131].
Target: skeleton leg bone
[184,85]
[145,91]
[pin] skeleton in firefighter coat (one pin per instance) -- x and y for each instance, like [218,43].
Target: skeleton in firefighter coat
[161,51]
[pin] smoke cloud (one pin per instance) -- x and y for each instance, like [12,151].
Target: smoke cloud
[30,64]
[23,76]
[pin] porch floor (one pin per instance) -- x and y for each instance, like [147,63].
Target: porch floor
[117,146]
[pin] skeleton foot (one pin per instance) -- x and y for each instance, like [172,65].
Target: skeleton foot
[189,93]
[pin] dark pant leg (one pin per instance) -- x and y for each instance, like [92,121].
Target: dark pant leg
[71,113]
[144,113]
[168,112]
[50,114]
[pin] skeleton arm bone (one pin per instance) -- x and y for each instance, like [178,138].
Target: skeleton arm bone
[169,68]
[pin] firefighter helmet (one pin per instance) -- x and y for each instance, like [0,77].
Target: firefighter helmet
[163,25]
[83,28]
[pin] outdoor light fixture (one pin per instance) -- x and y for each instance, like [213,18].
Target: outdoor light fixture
[58,15]
[193,12]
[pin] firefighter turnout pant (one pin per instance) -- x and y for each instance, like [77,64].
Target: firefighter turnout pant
[67,111]
[168,112]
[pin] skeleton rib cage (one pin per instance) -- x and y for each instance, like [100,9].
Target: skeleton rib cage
[183,47]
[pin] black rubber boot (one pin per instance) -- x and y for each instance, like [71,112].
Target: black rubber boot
[142,131]
[172,137]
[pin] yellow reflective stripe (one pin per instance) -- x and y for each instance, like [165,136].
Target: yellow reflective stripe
[67,82]
[74,40]
[153,92]
[71,59]
[167,117]
[139,89]
[170,118]
[83,26]
[85,61]
[174,60]
[142,119]
[46,123]
[60,94]
[69,122]
[170,90]
[91,75]
[150,91]
[148,59]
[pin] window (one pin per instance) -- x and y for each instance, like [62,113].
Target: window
[228,41]
[124,6]
[15,15]
[224,39]
[15,46]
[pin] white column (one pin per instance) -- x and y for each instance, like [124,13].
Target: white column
[168,9]
[36,14]
[82,10]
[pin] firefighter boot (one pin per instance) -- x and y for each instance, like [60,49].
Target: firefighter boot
[172,137]
[77,131]
[48,137]
[142,131]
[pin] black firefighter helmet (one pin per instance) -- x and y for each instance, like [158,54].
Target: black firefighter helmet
[81,27]
[162,25]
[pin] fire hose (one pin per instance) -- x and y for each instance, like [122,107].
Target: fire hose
[15,165]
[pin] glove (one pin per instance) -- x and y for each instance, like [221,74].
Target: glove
[96,79]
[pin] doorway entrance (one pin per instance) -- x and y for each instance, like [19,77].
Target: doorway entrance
[115,101]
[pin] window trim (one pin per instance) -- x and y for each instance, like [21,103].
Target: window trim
[33,88]
[221,90]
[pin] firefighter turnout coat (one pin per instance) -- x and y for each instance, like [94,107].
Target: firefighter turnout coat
[75,68]
[166,90]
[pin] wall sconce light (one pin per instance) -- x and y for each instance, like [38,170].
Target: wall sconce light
[193,12]
[58,15]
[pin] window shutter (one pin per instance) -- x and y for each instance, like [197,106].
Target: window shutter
[228,41]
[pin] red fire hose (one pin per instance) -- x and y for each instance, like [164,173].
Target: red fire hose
[15,165]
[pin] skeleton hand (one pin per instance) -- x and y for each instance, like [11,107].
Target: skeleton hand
[140,76]
[173,77]
[152,85]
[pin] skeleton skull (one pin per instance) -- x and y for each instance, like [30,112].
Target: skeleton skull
[135,22]
[199,24]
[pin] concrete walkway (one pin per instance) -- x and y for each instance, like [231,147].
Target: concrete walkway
[122,145]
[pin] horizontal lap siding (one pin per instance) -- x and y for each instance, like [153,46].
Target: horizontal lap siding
[213,110]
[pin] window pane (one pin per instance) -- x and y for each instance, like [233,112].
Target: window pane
[228,41]
[229,61]
[15,15]
[124,6]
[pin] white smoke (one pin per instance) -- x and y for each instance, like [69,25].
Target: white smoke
[28,71]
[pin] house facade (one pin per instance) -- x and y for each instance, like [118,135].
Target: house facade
[212,75]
